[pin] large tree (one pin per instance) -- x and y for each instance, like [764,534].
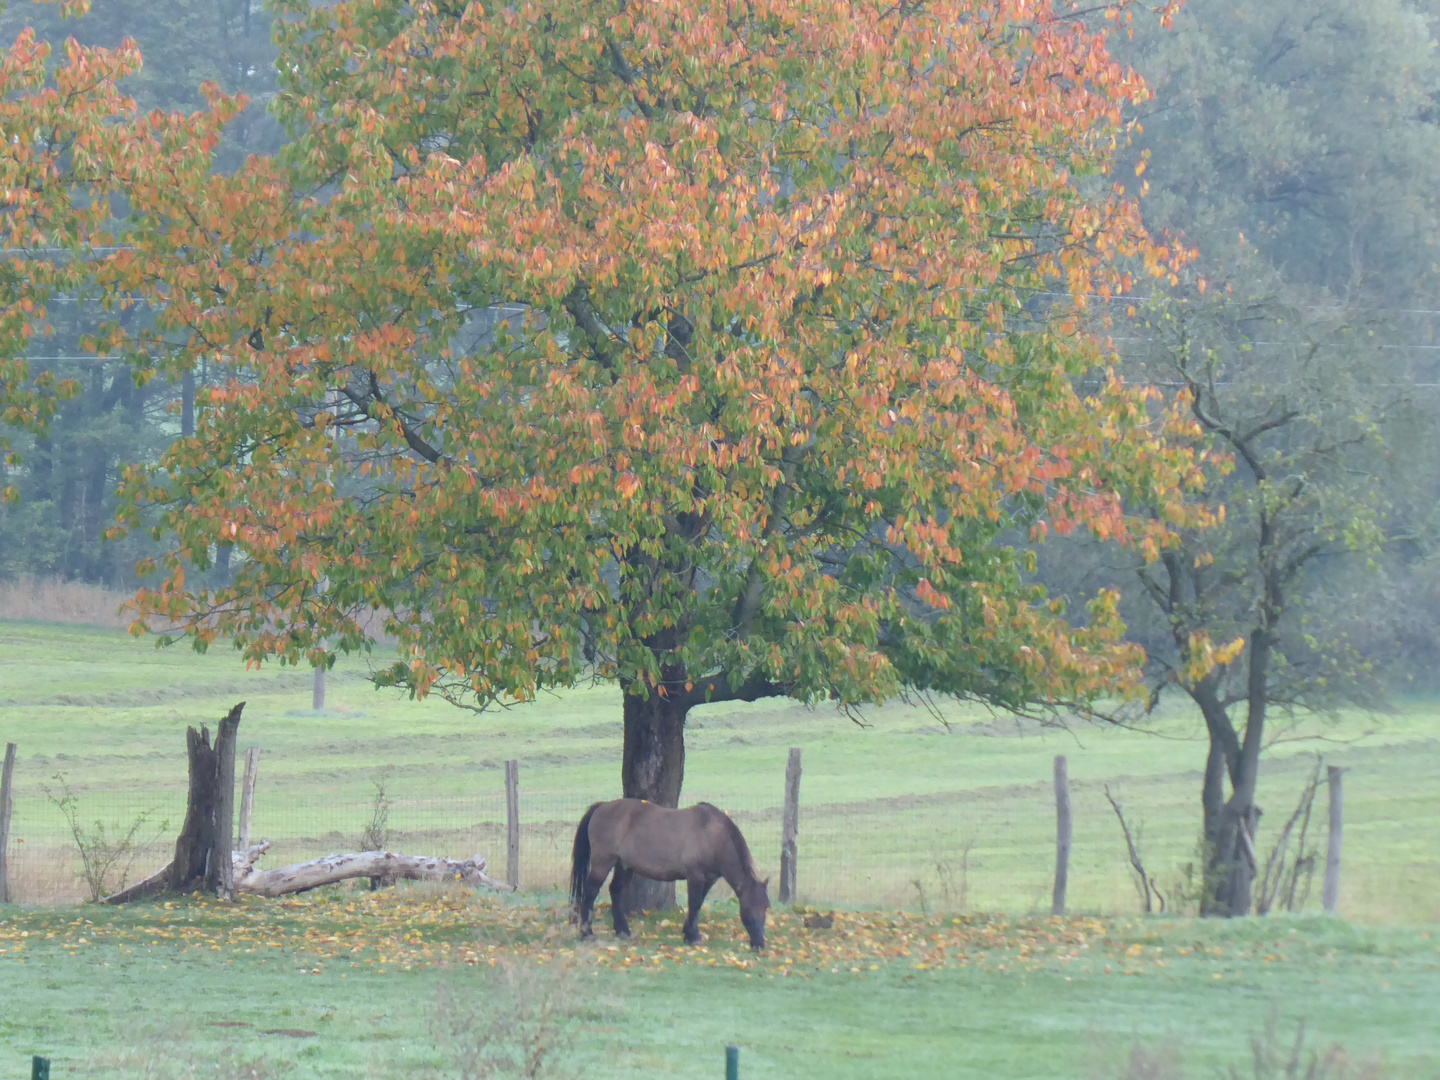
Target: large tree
[688,347]
[1306,132]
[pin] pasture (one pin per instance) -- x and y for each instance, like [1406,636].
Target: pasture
[349,984]
[910,831]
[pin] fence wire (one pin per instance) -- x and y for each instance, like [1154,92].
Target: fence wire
[970,849]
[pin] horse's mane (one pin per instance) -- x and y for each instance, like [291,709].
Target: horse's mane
[737,836]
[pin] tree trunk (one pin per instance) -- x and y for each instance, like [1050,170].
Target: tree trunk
[1230,824]
[187,403]
[1212,810]
[221,573]
[653,768]
[329,869]
[201,833]
[42,470]
[218,876]
[197,834]
[1230,866]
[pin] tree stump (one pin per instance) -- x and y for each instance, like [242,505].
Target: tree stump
[209,811]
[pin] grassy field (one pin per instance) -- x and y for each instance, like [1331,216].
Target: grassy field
[397,985]
[901,812]
[909,829]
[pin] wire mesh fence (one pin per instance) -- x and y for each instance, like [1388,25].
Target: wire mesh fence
[974,848]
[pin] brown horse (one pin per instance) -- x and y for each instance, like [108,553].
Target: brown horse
[700,844]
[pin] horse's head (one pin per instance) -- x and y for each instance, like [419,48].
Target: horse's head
[754,903]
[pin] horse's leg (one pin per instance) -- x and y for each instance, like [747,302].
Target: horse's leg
[698,887]
[617,909]
[593,881]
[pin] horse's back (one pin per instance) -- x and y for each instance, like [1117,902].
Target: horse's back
[657,841]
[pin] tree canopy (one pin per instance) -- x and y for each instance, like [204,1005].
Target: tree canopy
[711,350]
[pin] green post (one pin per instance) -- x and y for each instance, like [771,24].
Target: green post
[732,1062]
[39,1068]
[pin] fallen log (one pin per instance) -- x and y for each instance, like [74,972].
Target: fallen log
[242,862]
[328,870]
[390,865]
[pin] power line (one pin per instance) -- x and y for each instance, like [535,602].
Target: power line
[1125,298]
[1111,337]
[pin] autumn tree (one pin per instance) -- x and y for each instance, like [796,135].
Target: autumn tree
[688,347]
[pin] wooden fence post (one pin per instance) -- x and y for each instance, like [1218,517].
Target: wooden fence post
[247,795]
[1062,835]
[39,1068]
[317,689]
[7,803]
[790,828]
[732,1062]
[512,823]
[1331,893]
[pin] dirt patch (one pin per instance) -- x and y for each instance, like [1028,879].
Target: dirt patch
[1004,727]
[142,696]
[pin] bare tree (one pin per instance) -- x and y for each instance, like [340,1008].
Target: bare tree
[1290,411]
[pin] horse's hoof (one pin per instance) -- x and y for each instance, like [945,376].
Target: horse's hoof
[624,935]
[586,934]
[692,939]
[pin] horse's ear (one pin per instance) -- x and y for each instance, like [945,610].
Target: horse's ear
[765,884]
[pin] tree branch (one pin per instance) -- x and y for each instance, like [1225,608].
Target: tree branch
[715,688]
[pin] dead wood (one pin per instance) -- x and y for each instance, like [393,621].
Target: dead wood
[1146,885]
[207,809]
[391,865]
[327,870]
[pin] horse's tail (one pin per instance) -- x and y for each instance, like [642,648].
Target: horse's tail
[580,859]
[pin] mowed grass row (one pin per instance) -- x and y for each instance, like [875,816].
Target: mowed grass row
[901,811]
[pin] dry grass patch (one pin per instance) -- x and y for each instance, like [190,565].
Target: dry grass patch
[51,600]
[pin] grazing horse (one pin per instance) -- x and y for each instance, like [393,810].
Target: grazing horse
[700,844]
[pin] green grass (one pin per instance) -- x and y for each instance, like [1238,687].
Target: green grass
[117,993]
